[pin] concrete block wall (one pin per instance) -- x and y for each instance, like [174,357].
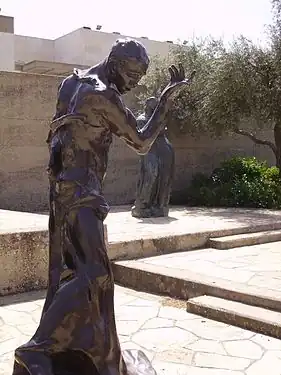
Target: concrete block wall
[27,103]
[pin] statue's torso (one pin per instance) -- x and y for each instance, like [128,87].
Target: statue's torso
[82,140]
[161,146]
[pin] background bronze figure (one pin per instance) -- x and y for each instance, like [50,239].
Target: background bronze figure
[77,332]
[156,172]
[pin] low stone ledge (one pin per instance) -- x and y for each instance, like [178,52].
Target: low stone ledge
[24,255]
[24,261]
[24,238]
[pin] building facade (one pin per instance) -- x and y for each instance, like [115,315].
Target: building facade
[80,48]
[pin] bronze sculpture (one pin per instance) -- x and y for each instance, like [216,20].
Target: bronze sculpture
[77,331]
[156,172]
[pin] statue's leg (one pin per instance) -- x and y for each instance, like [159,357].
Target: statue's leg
[159,189]
[54,268]
[103,348]
[166,179]
[81,315]
[146,186]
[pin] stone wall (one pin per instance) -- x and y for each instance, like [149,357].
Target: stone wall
[6,24]
[26,106]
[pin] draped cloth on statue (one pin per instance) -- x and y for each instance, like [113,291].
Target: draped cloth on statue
[155,177]
[156,174]
[77,332]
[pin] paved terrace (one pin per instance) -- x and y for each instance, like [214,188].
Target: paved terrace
[177,342]
[182,220]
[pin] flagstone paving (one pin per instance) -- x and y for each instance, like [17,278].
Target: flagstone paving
[177,342]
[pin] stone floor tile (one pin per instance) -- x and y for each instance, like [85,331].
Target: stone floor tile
[123,299]
[129,327]
[12,317]
[140,302]
[268,343]
[10,345]
[8,333]
[175,355]
[168,368]
[124,338]
[207,346]
[22,307]
[6,368]
[172,313]
[160,339]
[218,361]
[270,363]
[158,323]
[127,312]
[243,349]
[214,330]
[26,329]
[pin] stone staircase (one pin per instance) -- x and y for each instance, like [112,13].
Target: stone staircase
[246,239]
[252,307]
[252,318]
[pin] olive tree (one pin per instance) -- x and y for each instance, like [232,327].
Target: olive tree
[244,91]
[185,115]
[236,89]
[246,88]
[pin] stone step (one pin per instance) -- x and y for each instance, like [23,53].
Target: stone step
[185,284]
[247,239]
[252,318]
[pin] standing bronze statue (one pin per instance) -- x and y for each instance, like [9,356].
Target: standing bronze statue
[156,172]
[77,331]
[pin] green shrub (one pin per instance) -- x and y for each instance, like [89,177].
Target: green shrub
[238,182]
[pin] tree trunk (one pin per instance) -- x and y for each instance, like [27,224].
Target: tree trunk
[277,139]
[275,148]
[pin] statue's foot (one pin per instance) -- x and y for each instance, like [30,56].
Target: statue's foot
[19,370]
[149,212]
[160,211]
[166,211]
[35,363]
[141,212]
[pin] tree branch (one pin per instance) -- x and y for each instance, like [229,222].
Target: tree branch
[265,76]
[256,140]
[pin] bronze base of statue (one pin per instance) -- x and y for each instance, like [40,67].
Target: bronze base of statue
[77,363]
[149,212]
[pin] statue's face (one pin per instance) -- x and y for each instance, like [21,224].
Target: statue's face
[128,62]
[128,74]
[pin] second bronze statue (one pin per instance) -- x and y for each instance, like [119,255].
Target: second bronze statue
[156,172]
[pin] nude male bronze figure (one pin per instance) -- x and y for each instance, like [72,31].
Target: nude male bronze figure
[156,172]
[77,332]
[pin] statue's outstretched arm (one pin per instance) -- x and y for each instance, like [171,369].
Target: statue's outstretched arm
[123,123]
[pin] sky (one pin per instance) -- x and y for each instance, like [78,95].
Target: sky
[176,20]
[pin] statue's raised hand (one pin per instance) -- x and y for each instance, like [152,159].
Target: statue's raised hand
[177,80]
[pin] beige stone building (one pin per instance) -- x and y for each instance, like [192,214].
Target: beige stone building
[80,48]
